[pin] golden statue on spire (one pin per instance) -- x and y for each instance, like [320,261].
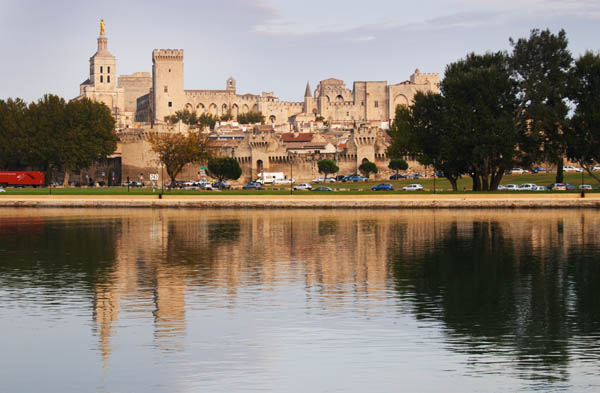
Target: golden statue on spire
[101,26]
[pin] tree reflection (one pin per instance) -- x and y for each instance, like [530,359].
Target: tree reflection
[496,294]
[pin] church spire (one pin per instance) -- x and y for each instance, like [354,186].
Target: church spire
[307,93]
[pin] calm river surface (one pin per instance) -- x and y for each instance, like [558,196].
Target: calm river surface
[299,301]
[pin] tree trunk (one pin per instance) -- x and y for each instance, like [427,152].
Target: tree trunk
[476,184]
[559,170]
[485,183]
[66,179]
[496,179]
[453,181]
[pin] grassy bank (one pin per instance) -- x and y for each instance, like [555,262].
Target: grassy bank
[441,185]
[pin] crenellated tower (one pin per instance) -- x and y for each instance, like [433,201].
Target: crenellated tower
[167,82]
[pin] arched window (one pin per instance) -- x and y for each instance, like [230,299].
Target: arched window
[108,79]
[100,69]
[101,79]
[108,69]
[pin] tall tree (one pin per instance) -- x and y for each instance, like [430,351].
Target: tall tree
[541,65]
[480,105]
[583,138]
[251,118]
[176,150]
[15,134]
[366,168]
[224,168]
[398,164]
[327,167]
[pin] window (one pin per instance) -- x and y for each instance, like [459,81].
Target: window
[376,104]
[101,79]
[108,69]
[107,78]
[100,69]
[166,89]
[170,104]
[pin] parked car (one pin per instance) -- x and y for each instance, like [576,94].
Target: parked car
[303,186]
[283,181]
[322,179]
[2,189]
[398,176]
[527,187]
[558,187]
[585,187]
[511,187]
[221,186]
[518,171]
[539,169]
[135,184]
[501,188]
[540,188]
[415,176]
[323,188]
[383,187]
[596,168]
[354,178]
[413,187]
[570,168]
[252,186]
[339,177]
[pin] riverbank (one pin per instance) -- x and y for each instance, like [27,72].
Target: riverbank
[424,201]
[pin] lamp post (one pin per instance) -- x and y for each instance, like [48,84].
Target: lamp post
[582,190]
[292,157]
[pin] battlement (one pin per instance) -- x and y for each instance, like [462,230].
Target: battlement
[167,55]
[421,78]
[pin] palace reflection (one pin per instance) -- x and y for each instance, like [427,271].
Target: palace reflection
[521,282]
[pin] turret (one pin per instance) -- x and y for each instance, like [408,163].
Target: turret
[167,82]
[308,100]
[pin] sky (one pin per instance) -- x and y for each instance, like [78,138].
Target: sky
[270,45]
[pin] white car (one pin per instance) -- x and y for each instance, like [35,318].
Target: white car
[511,187]
[540,188]
[413,187]
[571,168]
[283,181]
[527,187]
[322,179]
[596,168]
[2,189]
[517,170]
[303,186]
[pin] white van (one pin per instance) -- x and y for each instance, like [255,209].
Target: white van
[270,177]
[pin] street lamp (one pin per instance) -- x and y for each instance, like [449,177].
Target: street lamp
[292,156]
[582,190]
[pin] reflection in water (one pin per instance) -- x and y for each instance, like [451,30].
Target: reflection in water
[506,290]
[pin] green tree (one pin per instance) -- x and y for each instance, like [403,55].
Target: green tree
[176,150]
[398,164]
[583,137]
[251,118]
[224,168]
[541,66]
[185,116]
[366,168]
[207,120]
[327,167]
[15,134]
[70,136]
[424,131]
[226,116]
[480,115]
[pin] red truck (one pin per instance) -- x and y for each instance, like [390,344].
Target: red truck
[22,178]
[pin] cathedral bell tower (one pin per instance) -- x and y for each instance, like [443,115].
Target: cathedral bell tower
[103,65]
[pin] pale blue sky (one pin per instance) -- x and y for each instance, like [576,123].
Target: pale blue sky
[269,45]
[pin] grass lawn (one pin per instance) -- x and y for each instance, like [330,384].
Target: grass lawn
[442,186]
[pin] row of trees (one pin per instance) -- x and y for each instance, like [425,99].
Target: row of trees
[328,167]
[208,120]
[51,134]
[496,111]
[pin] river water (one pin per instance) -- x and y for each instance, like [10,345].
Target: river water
[299,301]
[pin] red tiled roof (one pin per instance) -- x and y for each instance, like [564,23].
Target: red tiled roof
[297,137]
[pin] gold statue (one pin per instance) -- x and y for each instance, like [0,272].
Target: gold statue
[101,26]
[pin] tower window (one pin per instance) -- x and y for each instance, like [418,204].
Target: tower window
[376,104]
[166,89]
[100,69]
[170,104]
[101,79]
[108,69]
[107,78]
